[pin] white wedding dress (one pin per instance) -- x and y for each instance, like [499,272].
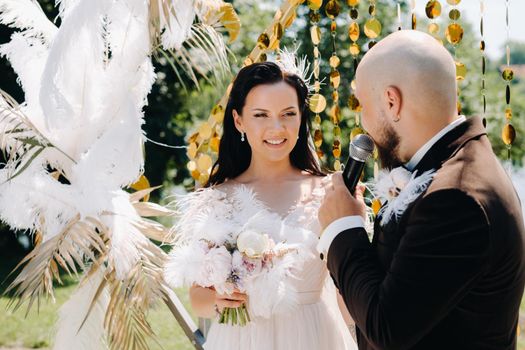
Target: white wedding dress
[316,322]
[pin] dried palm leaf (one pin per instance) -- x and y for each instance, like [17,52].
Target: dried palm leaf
[137,196]
[226,18]
[153,230]
[79,240]
[172,34]
[130,299]
[20,139]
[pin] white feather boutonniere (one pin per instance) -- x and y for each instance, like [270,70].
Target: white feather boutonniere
[397,189]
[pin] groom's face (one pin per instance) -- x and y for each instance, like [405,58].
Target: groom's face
[379,127]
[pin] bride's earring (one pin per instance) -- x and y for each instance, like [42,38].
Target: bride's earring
[242,136]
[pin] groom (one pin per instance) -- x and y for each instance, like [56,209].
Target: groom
[447,273]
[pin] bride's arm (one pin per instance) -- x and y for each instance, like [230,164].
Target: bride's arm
[205,302]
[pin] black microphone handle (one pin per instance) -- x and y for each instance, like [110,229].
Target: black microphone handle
[352,173]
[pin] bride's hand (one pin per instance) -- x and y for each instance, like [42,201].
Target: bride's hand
[234,300]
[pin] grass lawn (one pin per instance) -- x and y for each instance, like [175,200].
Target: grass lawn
[36,331]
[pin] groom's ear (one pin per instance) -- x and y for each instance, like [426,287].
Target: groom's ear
[393,100]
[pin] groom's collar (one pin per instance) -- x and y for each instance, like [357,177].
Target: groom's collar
[416,158]
[450,143]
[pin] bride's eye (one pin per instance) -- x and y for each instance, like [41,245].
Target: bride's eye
[260,115]
[290,114]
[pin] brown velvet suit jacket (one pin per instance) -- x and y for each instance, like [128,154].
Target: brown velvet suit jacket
[450,272]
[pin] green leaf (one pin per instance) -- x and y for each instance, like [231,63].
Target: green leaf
[30,141]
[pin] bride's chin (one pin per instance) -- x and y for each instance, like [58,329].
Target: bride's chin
[276,156]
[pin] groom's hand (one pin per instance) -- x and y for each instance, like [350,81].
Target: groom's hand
[338,201]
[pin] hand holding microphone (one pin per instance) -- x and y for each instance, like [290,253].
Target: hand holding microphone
[339,200]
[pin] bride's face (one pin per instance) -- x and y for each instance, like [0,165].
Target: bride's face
[271,120]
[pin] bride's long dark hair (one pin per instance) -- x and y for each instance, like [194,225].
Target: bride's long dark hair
[235,155]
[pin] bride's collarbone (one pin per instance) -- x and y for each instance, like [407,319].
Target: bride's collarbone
[278,196]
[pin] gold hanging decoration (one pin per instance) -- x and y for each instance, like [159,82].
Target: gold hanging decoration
[332,10]
[483,63]
[372,27]
[508,133]
[354,34]
[433,11]
[454,35]
[317,102]
[413,17]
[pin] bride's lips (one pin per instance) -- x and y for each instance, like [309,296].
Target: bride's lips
[275,143]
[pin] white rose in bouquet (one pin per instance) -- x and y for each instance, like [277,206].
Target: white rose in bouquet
[253,244]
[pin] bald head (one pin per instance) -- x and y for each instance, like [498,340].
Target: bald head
[409,79]
[422,69]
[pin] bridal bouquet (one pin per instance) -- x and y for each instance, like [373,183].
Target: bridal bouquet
[228,256]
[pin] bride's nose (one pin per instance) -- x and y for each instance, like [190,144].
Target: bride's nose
[277,124]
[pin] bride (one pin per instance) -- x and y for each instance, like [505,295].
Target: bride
[266,163]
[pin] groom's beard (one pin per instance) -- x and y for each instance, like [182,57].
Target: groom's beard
[387,148]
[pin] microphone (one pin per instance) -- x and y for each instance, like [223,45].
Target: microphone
[361,147]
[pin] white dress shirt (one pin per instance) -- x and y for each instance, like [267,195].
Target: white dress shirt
[349,222]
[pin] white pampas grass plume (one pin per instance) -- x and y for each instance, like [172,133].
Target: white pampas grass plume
[184,264]
[28,16]
[126,240]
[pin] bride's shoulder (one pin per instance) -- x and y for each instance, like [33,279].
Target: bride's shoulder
[312,183]
[226,188]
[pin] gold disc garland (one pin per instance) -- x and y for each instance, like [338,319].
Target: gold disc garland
[332,10]
[433,11]
[508,133]
[354,33]
[372,31]
[317,100]
[454,35]
[483,62]
[372,27]
[413,17]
